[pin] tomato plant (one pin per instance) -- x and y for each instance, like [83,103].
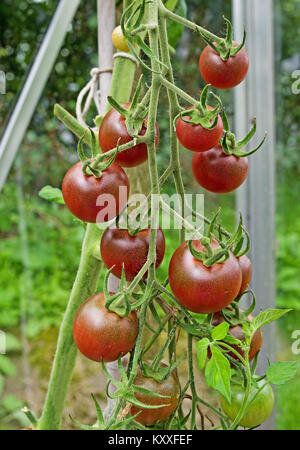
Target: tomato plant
[168,388]
[207,274]
[102,334]
[258,411]
[119,247]
[203,289]
[220,73]
[81,193]
[113,132]
[218,172]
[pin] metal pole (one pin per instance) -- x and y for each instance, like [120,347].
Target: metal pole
[106,24]
[256,198]
[34,85]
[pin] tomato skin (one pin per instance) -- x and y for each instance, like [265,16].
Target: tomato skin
[246,268]
[196,138]
[237,332]
[119,40]
[81,191]
[258,412]
[203,289]
[113,132]
[169,387]
[217,172]
[118,247]
[223,74]
[99,333]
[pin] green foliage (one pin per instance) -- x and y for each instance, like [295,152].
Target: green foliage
[282,371]
[53,241]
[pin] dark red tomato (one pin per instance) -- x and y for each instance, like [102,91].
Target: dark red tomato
[81,193]
[203,289]
[196,138]
[168,387]
[118,247]
[237,332]
[223,74]
[113,132]
[246,268]
[99,333]
[218,172]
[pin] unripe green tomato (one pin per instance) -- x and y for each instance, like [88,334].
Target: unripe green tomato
[119,40]
[258,412]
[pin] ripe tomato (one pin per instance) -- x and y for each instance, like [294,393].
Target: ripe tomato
[169,387]
[223,74]
[195,137]
[81,192]
[218,172]
[113,132]
[119,40]
[99,333]
[246,268]
[237,332]
[118,247]
[258,412]
[203,289]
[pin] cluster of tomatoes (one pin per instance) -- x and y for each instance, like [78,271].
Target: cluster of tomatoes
[103,335]
[213,169]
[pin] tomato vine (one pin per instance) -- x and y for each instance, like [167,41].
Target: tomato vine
[226,358]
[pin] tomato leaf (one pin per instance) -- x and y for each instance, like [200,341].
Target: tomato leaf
[220,331]
[232,340]
[266,317]
[201,348]
[218,373]
[52,194]
[282,371]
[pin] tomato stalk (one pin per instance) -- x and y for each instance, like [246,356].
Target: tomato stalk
[187,23]
[89,269]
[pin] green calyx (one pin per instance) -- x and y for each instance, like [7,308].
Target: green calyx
[95,164]
[101,425]
[126,391]
[135,115]
[133,230]
[239,242]
[209,255]
[229,143]
[233,314]
[201,114]
[224,47]
[118,303]
[157,371]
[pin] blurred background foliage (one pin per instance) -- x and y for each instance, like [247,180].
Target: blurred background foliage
[40,242]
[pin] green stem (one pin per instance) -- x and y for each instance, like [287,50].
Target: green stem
[88,272]
[172,87]
[247,393]
[173,111]
[84,286]
[187,23]
[73,125]
[192,382]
